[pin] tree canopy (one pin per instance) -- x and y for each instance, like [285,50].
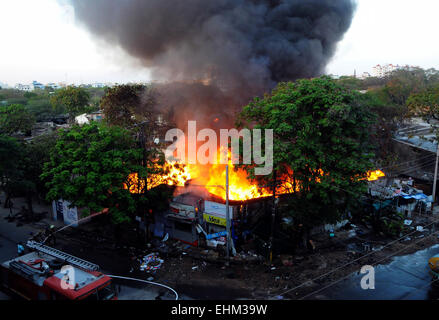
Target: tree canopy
[74,100]
[90,166]
[125,105]
[15,118]
[425,103]
[321,146]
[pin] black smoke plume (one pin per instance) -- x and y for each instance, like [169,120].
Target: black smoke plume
[244,46]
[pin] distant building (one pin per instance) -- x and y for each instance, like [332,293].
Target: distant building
[24,87]
[381,71]
[96,116]
[98,85]
[53,86]
[365,75]
[4,85]
[38,85]
[87,118]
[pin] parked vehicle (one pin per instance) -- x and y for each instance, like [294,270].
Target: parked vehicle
[50,274]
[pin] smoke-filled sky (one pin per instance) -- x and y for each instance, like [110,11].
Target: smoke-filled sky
[239,42]
[42,40]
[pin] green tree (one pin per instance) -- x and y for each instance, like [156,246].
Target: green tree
[37,152]
[41,108]
[321,146]
[425,103]
[351,83]
[15,118]
[389,116]
[90,166]
[125,105]
[11,154]
[402,83]
[72,99]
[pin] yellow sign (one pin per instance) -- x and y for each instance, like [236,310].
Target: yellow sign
[215,220]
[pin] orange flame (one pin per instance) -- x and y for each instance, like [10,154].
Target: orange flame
[375,175]
[213,178]
[175,174]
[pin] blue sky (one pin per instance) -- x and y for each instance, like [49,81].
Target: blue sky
[40,41]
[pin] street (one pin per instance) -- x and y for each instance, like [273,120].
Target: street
[405,278]
[11,235]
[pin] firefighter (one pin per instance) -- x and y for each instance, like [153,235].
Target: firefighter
[50,235]
[20,249]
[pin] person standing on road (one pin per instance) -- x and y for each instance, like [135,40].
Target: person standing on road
[20,249]
[50,234]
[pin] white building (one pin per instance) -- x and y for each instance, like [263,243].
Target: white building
[365,75]
[4,85]
[87,118]
[38,85]
[24,87]
[381,71]
[53,86]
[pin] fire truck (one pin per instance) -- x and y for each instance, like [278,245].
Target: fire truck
[50,274]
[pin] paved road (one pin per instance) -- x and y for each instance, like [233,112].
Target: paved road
[405,278]
[11,235]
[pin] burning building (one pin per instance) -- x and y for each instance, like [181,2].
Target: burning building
[211,58]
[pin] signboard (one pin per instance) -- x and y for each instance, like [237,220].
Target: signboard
[182,210]
[62,212]
[214,219]
[70,214]
[217,209]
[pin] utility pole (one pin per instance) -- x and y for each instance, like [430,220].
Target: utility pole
[273,218]
[435,179]
[142,140]
[229,238]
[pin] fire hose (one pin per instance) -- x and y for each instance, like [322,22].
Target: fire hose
[145,281]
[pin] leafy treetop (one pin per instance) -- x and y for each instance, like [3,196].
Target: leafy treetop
[321,145]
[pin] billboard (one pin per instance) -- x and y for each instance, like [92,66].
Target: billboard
[214,219]
[217,209]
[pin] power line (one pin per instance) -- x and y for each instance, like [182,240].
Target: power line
[417,167]
[423,287]
[357,259]
[385,258]
[401,163]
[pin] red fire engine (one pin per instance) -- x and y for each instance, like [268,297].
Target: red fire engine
[50,274]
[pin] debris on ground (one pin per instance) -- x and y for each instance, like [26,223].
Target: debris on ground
[287,260]
[352,234]
[151,262]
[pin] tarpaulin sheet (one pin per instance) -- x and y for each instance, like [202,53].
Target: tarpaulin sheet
[419,196]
